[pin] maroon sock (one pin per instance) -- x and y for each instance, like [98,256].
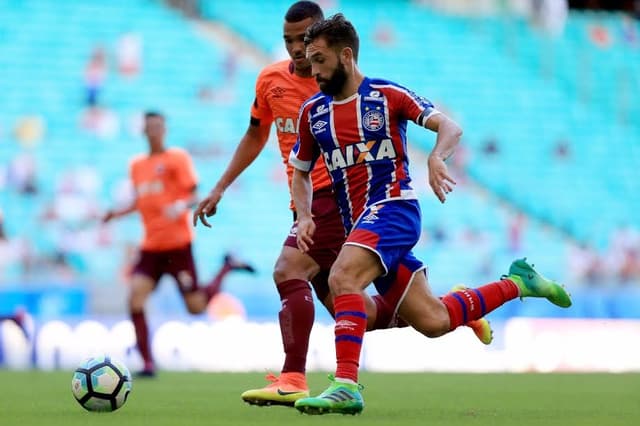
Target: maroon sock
[142,337]
[215,285]
[385,317]
[473,303]
[296,320]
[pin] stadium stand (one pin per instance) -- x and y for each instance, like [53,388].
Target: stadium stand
[517,196]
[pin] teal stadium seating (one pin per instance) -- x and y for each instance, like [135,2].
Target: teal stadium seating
[469,67]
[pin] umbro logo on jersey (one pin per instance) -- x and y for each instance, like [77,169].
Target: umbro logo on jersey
[322,109]
[278,92]
[319,126]
[370,218]
[373,214]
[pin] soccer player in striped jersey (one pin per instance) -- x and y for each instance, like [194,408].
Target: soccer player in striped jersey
[357,125]
[281,88]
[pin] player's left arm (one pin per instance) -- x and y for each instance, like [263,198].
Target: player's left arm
[422,112]
[447,140]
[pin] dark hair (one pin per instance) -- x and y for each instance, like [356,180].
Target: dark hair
[337,31]
[302,10]
[153,114]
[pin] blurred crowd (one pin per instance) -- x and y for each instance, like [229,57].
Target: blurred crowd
[66,221]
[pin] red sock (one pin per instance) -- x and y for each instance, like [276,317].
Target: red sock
[385,317]
[142,338]
[474,303]
[214,286]
[351,323]
[296,320]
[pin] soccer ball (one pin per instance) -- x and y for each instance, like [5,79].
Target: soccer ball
[101,383]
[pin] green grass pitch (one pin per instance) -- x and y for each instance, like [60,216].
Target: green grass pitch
[192,399]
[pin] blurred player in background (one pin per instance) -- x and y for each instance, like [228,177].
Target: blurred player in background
[165,184]
[281,88]
[358,125]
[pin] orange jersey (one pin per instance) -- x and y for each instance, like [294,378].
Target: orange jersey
[279,95]
[159,180]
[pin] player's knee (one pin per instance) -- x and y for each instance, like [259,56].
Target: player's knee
[340,283]
[137,301]
[193,308]
[195,301]
[141,288]
[288,269]
[280,273]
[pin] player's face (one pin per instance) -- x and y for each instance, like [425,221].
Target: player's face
[154,128]
[294,42]
[326,67]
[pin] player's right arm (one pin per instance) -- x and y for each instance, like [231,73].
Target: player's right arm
[246,152]
[301,191]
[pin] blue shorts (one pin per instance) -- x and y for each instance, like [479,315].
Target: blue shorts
[391,230]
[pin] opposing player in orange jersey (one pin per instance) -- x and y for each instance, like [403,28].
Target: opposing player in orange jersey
[281,89]
[165,183]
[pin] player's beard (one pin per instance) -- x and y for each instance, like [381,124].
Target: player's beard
[334,84]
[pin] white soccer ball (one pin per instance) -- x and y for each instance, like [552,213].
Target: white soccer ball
[101,383]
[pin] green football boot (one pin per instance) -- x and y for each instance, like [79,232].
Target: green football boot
[341,398]
[532,284]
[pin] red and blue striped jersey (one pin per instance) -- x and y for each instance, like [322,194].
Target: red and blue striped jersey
[363,142]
